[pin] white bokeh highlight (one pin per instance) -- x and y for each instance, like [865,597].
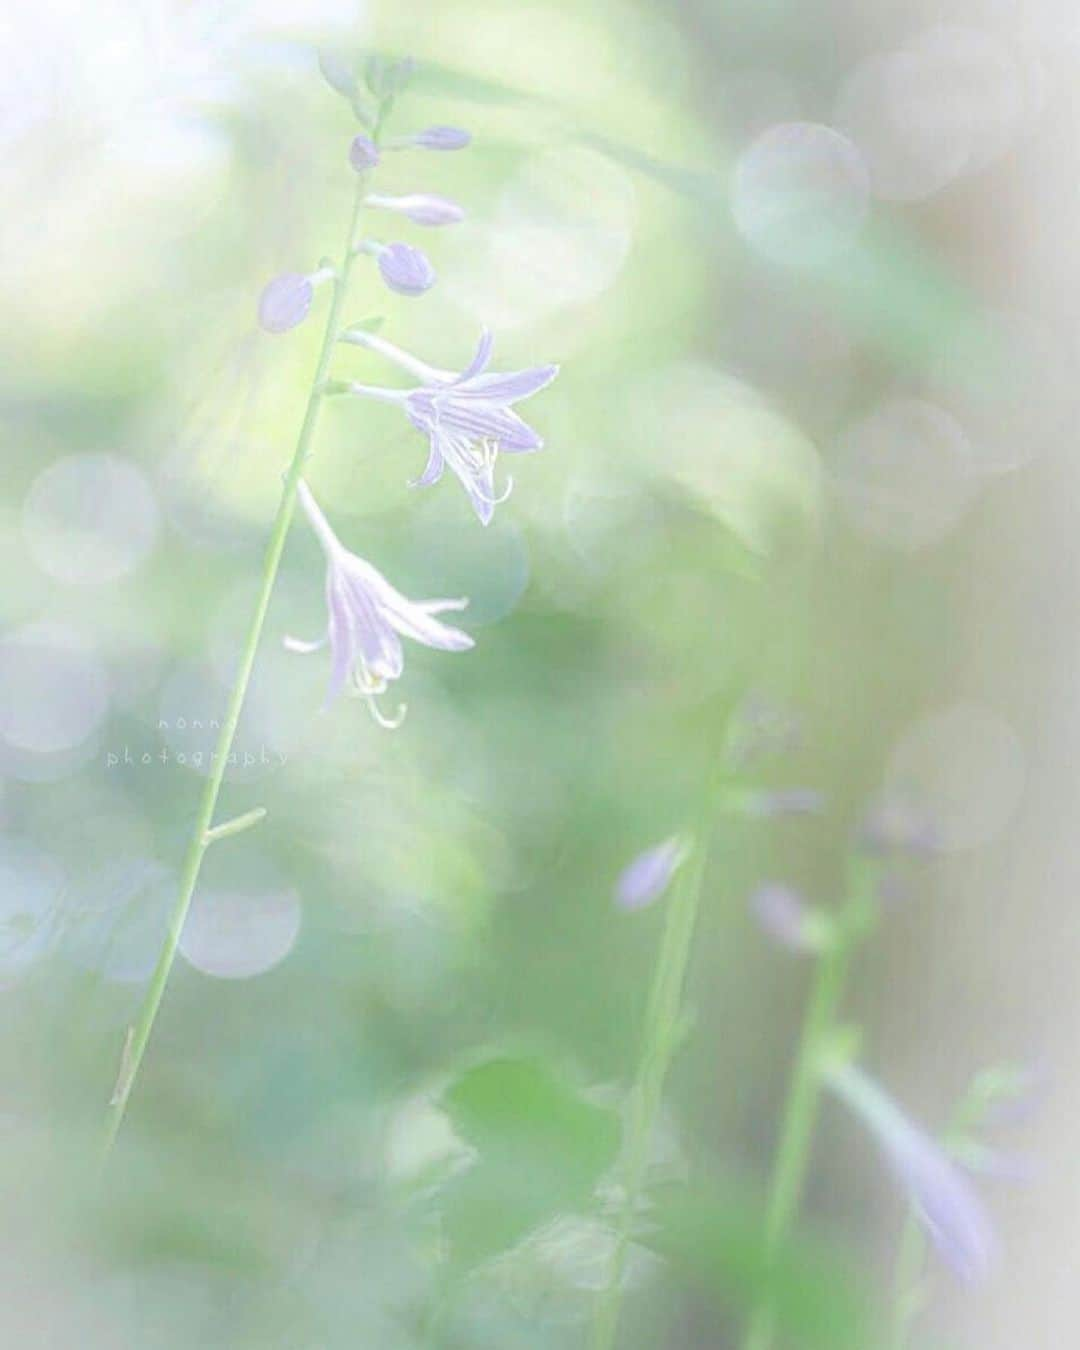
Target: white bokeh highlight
[966,764]
[905,474]
[949,102]
[32,890]
[560,235]
[800,194]
[54,689]
[90,519]
[236,934]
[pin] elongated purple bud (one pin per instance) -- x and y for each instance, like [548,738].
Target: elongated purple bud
[442,138]
[363,153]
[422,208]
[406,269]
[285,302]
[647,877]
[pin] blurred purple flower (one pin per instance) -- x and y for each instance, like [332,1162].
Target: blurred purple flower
[898,824]
[363,153]
[286,301]
[422,208]
[648,876]
[783,914]
[775,803]
[467,418]
[760,729]
[943,1198]
[405,269]
[367,618]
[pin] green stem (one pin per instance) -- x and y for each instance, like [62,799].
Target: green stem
[908,1291]
[804,1095]
[663,1023]
[203,835]
[800,1117]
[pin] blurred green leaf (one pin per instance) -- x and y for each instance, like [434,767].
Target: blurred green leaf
[540,1146]
[706,188]
[717,1244]
[434,78]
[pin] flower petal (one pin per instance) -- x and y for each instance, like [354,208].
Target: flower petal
[941,1195]
[510,386]
[433,469]
[481,357]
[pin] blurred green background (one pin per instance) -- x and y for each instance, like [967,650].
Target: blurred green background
[810,440]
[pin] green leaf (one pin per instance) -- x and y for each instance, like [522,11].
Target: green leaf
[541,1148]
[707,189]
[717,1244]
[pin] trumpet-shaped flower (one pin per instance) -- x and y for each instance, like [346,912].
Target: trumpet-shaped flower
[367,619]
[422,208]
[942,1196]
[468,418]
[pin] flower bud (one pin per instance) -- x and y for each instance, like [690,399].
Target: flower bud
[421,208]
[405,269]
[442,138]
[363,153]
[783,914]
[285,302]
[648,876]
[898,824]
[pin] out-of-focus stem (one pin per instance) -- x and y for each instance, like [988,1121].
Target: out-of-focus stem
[804,1095]
[908,1294]
[663,1021]
[204,833]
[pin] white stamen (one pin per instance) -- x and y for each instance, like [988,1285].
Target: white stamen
[388,723]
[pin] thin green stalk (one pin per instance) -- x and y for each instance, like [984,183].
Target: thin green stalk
[804,1095]
[800,1117]
[908,1290]
[663,1025]
[204,834]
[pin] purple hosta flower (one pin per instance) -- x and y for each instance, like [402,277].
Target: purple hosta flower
[941,1195]
[367,618]
[785,916]
[363,153]
[467,418]
[645,880]
[286,301]
[776,803]
[404,269]
[897,824]
[422,208]
[440,138]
